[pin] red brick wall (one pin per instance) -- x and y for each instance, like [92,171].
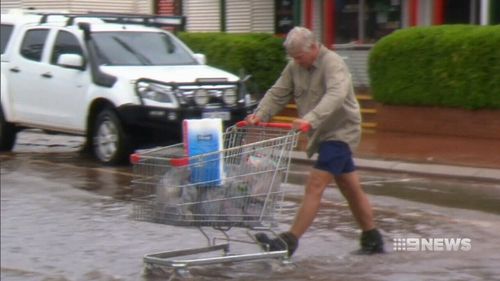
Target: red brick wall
[439,121]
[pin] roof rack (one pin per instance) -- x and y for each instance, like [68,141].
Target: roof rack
[176,22]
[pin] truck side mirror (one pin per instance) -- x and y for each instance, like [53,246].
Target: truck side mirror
[200,58]
[71,61]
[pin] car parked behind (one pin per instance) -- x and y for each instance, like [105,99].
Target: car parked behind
[122,81]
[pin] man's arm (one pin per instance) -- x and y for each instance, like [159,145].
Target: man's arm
[277,97]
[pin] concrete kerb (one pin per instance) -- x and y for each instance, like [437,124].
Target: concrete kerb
[487,174]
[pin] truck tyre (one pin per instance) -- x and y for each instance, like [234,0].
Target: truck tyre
[8,133]
[111,145]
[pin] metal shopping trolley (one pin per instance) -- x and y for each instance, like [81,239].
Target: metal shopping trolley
[238,186]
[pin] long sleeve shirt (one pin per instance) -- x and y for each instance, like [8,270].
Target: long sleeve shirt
[325,97]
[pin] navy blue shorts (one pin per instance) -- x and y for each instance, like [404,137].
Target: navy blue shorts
[335,157]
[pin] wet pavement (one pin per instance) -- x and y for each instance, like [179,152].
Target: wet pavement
[64,217]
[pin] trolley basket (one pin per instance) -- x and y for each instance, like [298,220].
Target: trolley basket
[237,186]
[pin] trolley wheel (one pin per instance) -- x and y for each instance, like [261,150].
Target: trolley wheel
[287,262]
[147,270]
[283,266]
[153,270]
[183,273]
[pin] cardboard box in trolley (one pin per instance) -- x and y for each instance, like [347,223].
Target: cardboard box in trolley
[204,137]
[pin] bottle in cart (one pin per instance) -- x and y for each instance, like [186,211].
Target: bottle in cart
[169,187]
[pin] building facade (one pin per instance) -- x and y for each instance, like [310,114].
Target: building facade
[366,21]
[82,6]
[334,21]
[350,27]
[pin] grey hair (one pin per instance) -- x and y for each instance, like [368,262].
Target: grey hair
[299,39]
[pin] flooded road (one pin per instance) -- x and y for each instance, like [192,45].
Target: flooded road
[64,217]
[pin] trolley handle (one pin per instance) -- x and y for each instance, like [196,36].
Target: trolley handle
[286,126]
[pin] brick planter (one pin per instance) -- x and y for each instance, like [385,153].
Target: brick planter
[439,121]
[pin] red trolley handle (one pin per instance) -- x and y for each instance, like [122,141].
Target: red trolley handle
[286,126]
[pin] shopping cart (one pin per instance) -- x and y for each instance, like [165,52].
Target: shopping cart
[238,186]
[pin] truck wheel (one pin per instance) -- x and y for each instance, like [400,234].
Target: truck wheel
[8,134]
[110,143]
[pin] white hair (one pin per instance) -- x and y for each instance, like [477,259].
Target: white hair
[299,39]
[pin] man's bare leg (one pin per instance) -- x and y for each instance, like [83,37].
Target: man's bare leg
[360,206]
[371,241]
[317,182]
[349,185]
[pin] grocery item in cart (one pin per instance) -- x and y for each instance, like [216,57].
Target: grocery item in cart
[169,188]
[203,138]
[263,163]
[225,202]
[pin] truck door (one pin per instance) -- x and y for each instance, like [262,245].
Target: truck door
[66,87]
[24,77]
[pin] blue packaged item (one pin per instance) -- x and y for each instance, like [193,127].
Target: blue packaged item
[203,144]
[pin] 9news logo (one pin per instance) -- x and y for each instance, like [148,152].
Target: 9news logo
[432,244]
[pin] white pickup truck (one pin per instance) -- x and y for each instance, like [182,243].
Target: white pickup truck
[120,81]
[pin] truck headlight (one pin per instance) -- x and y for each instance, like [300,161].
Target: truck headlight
[154,93]
[230,96]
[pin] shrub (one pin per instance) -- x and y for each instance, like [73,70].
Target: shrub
[448,66]
[259,54]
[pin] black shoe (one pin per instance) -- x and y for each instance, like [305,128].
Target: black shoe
[284,241]
[371,243]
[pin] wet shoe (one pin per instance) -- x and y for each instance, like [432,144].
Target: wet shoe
[371,243]
[284,241]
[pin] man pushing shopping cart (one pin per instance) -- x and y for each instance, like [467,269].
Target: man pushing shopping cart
[320,82]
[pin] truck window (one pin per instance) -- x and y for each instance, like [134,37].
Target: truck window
[33,42]
[140,48]
[5,33]
[66,43]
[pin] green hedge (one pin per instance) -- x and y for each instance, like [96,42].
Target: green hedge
[259,54]
[447,66]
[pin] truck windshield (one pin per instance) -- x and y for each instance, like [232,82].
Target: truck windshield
[140,48]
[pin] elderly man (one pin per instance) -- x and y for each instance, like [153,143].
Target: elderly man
[321,84]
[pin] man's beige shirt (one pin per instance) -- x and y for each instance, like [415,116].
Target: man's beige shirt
[324,96]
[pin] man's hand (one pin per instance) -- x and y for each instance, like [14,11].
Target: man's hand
[252,119]
[301,124]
